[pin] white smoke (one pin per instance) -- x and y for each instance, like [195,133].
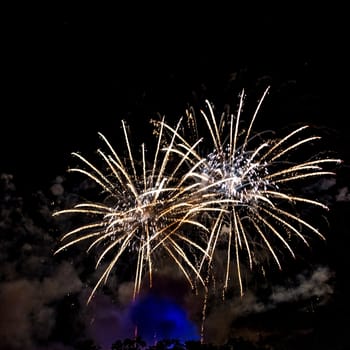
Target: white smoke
[26,311]
[343,195]
[317,284]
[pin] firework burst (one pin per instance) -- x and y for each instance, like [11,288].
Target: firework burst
[231,199]
[250,207]
[143,211]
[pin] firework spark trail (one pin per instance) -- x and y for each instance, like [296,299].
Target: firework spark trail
[241,184]
[236,199]
[244,182]
[142,213]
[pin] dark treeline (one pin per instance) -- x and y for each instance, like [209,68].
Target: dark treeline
[174,344]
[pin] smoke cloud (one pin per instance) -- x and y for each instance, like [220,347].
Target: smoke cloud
[317,284]
[33,282]
[27,317]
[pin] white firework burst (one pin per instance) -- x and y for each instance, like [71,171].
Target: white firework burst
[143,211]
[244,185]
[239,200]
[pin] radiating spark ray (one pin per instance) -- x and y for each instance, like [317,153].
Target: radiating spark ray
[228,259]
[76,211]
[178,263]
[185,156]
[301,221]
[303,176]
[213,128]
[284,222]
[254,117]
[267,244]
[291,198]
[114,153]
[155,161]
[138,274]
[245,241]
[129,149]
[166,156]
[144,167]
[114,171]
[276,233]
[94,178]
[210,245]
[278,144]
[238,267]
[237,123]
[81,228]
[123,238]
[75,241]
[129,184]
[231,139]
[293,169]
[185,143]
[295,145]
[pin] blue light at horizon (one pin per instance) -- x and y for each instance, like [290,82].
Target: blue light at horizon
[158,318]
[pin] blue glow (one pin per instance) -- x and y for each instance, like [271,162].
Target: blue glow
[158,318]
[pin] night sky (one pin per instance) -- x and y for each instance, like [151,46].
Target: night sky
[66,79]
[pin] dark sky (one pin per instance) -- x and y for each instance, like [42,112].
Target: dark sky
[64,82]
[65,79]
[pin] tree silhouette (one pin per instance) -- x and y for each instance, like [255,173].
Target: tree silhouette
[87,344]
[165,344]
[129,344]
[174,344]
